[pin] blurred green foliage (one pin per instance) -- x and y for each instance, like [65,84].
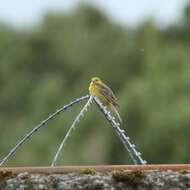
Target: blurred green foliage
[46,66]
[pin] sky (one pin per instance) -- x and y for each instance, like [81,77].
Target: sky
[130,12]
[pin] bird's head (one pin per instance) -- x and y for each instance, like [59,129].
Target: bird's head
[95,80]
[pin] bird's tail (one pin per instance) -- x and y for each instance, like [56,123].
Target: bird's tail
[117,113]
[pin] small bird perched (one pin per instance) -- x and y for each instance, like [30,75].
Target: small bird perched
[101,91]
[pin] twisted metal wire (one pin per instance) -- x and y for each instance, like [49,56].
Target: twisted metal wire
[40,125]
[71,129]
[134,154]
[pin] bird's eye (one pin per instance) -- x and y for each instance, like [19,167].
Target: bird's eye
[95,80]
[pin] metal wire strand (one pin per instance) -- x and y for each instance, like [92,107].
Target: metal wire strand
[71,129]
[134,154]
[40,125]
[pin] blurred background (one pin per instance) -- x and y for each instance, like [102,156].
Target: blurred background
[49,50]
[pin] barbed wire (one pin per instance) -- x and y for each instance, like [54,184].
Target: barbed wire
[71,129]
[134,154]
[40,125]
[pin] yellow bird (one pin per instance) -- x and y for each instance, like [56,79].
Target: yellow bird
[101,91]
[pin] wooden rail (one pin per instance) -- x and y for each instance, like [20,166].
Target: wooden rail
[98,168]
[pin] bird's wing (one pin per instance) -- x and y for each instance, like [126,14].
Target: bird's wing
[107,93]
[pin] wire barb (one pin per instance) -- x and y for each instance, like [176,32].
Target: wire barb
[71,129]
[134,154]
[40,125]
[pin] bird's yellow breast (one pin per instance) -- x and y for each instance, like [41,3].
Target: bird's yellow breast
[93,89]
